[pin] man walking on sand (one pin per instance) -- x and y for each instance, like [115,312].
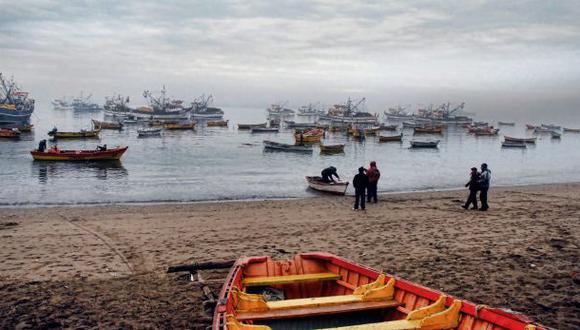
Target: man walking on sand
[484,183]
[374,174]
[360,184]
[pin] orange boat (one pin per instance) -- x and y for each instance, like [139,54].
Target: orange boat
[79,155]
[9,133]
[322,291]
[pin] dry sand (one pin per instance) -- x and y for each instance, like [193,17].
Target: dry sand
[105,266]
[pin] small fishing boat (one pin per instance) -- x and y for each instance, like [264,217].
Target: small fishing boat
[337,188]
[556,135]
[79,155]
[384,127]
[319,290]
[519,140]
[292,124]
[571,130]
[9,133]
[217,123]
[393,138]
[25,128]
[528,126]
[487,132]
[411,124]
[276,146]
[82,134]
[428,130]
[504,123]
[148,132]
[179,126]
[309,136]
[250,126]
[331,148]
[508,144]
[265,130]
[338,128]
[538,130]
[107,124]
[424,144]
[552,127]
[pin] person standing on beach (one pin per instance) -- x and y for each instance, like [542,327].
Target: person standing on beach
[360,184]
[473,185]
[373,174]
[484,183]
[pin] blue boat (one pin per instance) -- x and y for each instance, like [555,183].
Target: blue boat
[15,106]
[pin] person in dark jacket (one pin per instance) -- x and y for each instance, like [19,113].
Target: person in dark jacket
[473,185]
[360,184]
[328,173]
[373,174]
[484,182]
[42,145]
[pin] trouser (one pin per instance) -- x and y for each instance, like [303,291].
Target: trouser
[359,197]
[472,199]
[372,192]
[483,198]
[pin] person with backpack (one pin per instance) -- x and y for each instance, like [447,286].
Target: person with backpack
[360,184]
[473,185]
[373,174]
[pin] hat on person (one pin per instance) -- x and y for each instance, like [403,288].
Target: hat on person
[484,165]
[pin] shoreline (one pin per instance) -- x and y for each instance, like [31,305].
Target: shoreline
[262,199]
[105,266]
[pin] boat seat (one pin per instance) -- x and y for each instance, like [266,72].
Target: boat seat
[289,279]
[375,295]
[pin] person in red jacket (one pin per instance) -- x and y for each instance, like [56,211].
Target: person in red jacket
[373,174]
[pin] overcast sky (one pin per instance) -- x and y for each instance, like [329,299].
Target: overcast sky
[490,54]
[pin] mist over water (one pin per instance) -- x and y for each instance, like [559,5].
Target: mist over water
[227,164]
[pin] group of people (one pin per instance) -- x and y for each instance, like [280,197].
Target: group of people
[364,183]
[478,182]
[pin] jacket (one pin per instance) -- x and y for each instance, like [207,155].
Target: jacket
[360,181]
[485,179]
[373,174]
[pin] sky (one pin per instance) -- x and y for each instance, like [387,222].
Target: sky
[497,56]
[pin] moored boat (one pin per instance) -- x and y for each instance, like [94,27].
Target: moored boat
[528,126]
[82,134]
[309,136]
[276,146]
[25,128]
[265,130]
[9,133]
[217,123]
[428,130]
[79,155]
[508,144]
[424,144]
[337,188]
[556,135]
[551,126]
[384,127]
[487,132]
[148,132]
[392,138]
[542,130]
[107,124]
[331,148]
[179,126]
[250,126]
[504,123]
[519,140]
[324,291]
[571,130]
[15,105]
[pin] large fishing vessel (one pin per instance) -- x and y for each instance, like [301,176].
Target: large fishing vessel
[202,110]
[15,106]
[61,104]
[84,104]
[162,108]
[117,106]
[350,112]
[445,114]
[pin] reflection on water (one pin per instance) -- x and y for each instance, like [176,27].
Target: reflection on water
[224,163]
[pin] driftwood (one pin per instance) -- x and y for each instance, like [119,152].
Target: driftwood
[201,265]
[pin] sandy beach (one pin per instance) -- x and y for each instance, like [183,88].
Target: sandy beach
[105,266]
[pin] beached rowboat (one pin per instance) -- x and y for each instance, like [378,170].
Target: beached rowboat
[424,144]
[250,126]
[322,291]
[276,146]
[9,133]
[337,188]
[394,138]
[82,134]
[519,140]
[107,124]
[331,148]
[79,155]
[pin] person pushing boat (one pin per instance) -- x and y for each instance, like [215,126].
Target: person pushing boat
[328,173]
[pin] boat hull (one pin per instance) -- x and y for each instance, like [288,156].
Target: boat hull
[275,146]
[422,144]
[9,116]
[335,188]
[395,138]
[79,155]
[519,140]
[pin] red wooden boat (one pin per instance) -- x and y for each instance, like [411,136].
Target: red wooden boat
[320,290]
[79,155]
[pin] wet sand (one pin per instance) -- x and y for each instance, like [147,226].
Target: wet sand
[105,266]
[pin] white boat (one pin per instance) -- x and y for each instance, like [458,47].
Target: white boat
[149,132]
[337,188]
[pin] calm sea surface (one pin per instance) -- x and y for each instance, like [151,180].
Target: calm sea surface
[227,164]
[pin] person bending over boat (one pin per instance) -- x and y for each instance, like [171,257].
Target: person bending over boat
[360,184]
[473,185]
[373,174]
[484,182]
[328,173]
[102,148]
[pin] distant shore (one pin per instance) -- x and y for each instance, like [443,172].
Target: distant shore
[104,265]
